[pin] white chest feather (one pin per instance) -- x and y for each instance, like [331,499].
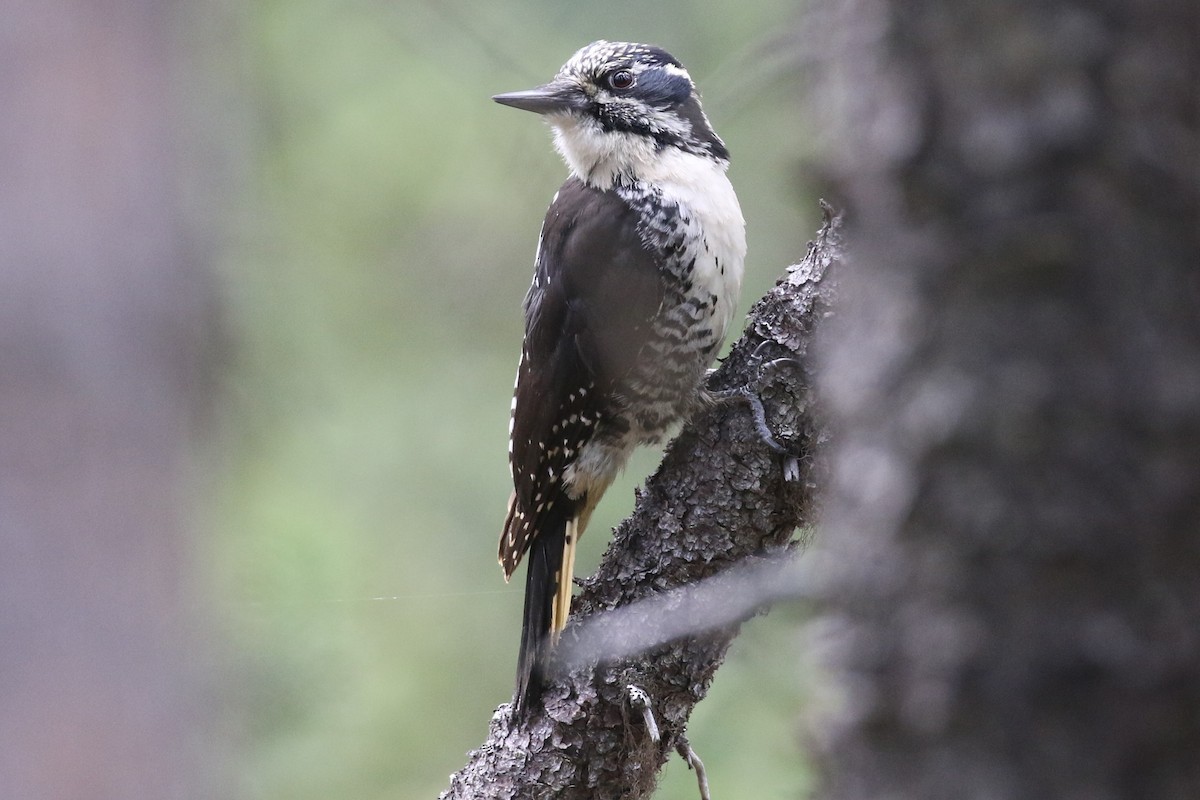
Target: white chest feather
[695,183]
[717,229]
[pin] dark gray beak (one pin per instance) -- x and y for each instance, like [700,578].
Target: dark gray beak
[553,98]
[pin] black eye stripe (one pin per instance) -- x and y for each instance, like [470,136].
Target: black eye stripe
[661,87]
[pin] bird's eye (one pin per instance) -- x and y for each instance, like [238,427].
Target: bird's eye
[621,79]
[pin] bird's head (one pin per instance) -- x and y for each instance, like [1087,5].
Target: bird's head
[623,110]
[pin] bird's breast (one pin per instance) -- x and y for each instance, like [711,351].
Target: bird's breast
[692,218]
[694,227]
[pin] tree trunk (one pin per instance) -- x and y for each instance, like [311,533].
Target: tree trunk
[1012,529]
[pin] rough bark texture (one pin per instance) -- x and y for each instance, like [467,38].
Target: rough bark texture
[718,499]
[104,312]
[1013,524]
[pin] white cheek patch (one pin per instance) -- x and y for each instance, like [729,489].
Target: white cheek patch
[655,119]
[670,123]
[671,69]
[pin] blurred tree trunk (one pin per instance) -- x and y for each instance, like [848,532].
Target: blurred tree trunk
[1013,525]
[103,311]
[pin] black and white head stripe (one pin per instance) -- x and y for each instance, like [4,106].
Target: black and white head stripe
[643,89]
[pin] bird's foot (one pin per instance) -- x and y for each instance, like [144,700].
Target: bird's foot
[749,394]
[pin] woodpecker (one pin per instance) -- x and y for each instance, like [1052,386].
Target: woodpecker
[637,276]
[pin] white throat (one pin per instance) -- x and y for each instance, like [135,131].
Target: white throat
[598,157]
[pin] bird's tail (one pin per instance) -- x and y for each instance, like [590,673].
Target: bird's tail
[543,577]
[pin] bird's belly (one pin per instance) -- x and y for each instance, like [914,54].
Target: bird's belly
[651,402]
[662,388]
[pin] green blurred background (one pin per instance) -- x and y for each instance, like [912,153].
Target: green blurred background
[380,240]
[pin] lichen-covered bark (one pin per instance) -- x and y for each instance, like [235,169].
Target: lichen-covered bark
[1014,506]
[718,498]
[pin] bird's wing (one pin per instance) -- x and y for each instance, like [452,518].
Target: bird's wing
[596,289]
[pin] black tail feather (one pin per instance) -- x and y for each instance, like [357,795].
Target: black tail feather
[543,564]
